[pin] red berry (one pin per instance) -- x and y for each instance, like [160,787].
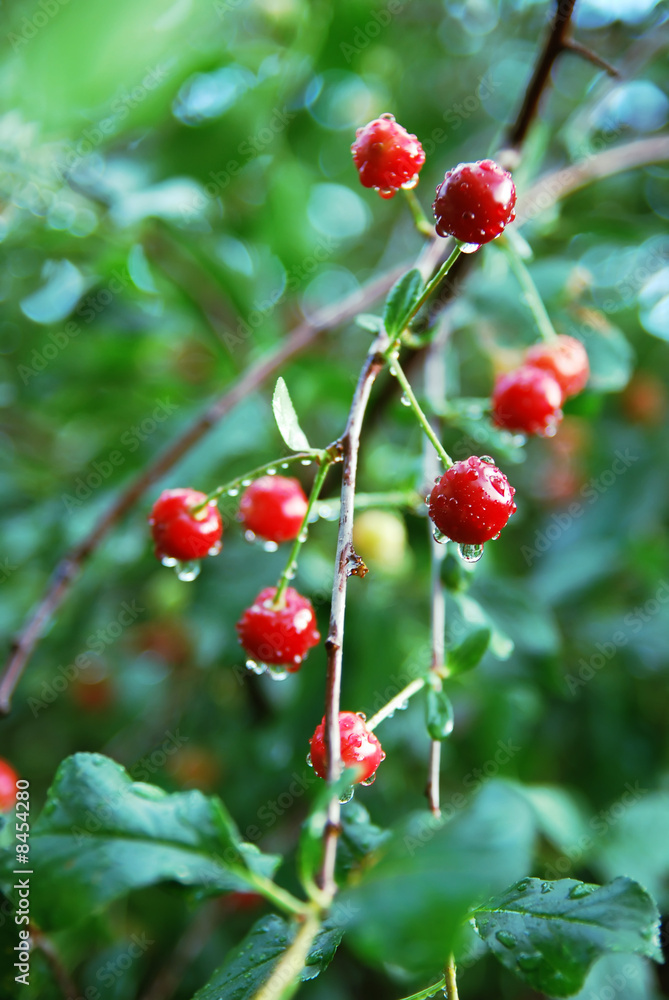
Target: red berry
[280,636]
[359,747]
[565,359]
[8,779]
[180,534]
[475,202]
[387,156]
[472,502]
[274,508]
[528,400]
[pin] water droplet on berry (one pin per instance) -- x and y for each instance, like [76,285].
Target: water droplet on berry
[303,535]
[404,400]
[269,546]
[256,668]
[246,482]
[439,536]
[488,459]
[309,760]
[215,549]
[469,247]
[369,781]
[305,461]
[168,561]
[276,672]
[387,117]
[346,795]
[188,571]
[470,553]
[233,492]
[507,939]
[250,536]
[387,192]
[361,715]
[411,183]
[270,472]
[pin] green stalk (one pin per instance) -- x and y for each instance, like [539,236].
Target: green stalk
[236,484]
[291,564]
[422,419]
[532,296]
[416,209]
[411,689]
[430,288]
[429,992]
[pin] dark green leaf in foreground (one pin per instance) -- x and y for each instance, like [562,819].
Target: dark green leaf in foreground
[401,299]
[550,933]
[101,835]
[250,964]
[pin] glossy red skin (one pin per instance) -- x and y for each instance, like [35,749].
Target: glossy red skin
[180,534]
[281,636]
[387,156]
[475,202]
[8,779]
[565,359]
[273,507]
[472,502]
[359,747]
[528,400]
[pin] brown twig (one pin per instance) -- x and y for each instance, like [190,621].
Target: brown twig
[554,45]
[586,53]
[68,568]
[346,563]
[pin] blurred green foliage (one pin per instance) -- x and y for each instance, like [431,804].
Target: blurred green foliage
[176,189]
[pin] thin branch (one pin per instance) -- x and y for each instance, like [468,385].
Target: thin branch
[400,699]
[586,53]
[347,563]
[554,45]
[451,988]
[68,568]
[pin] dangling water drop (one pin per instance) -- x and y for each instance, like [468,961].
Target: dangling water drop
[392,370]
[439,536]
[270,472]
[284,465]
[246,482]
[346,795]
[309,760]
[403,707]
[168,561]
[369,781]
[361,715]
[303,535]
[470,553]
[305,461]
[469,247]
[404,400]
[256,668]
[215,549]
[233,492]
[188,571]
[277,672]
[269,546]
[488,459]
[250,536]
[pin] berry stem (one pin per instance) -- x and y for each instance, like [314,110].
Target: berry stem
[431,991]
[236,484]
[364,501]
[396,368]
[433,284]
[291,563]
[391,706]
[416,209]
[532,296]
[451,987]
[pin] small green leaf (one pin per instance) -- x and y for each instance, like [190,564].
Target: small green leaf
[611,357]
[249,965]
[97,821]
[286,418]
[439,712]
[551,933]
[402,297]
[469,653]
[369,322]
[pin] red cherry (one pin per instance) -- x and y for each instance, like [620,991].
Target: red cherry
[181,534]
[274,508]
[279,636]
[475,202]
[359,747]
[8,779]
[387,156]
[528,400]
[472,502]
[566,359]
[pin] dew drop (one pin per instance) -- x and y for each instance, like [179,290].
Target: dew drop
[289,572]
[346,795]
[404,400]
[361,715]
[403,707]
[470,553]
[270,472]
[529,962]
[579,891]
[256,668]
[387,117]
[284,465]
[246,482]
[303,535]
[305,461]
[309,760]
[269,546]
[392,370]
[215,549]
[469,247]
[233,492]
[506,938]
[168,561]
[439,536]
[188,571]
[407,186]
[369,781]
[250,536]
[488,459]
[522,885]
[546,887]
[277,672]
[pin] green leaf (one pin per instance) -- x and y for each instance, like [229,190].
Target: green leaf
[359,836]
[249,965]
[407,908]
[286,418]
[100,835]
[550,933]
[635,840]
[469,653]
[402,297]
[439,714]
[611,357]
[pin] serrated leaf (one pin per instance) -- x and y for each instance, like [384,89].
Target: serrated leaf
[101,835]
[402,297]
[369,322]
[551,933]
[249,965]
[439,714]
[286,418]
[469,653]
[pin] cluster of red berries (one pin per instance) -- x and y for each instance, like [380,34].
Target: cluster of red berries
[474,202]
[529,399]
[185,527]
[8,779]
